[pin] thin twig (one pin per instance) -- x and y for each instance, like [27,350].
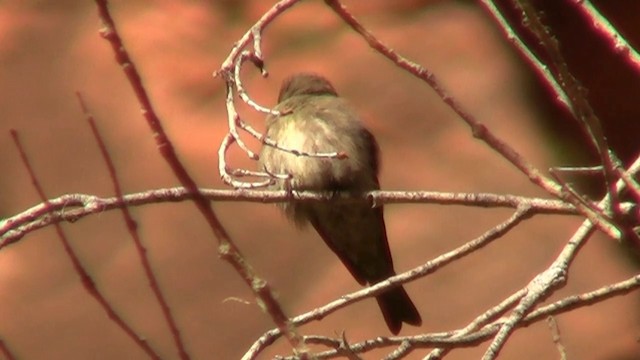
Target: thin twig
[580,170]
[5,351]
[557,340]
[226,248]
[577,95]
[234,122]
[448,341]
[478,129]
[87,282]
[538,66]
[132,228]
[253,35]
[431,266]
[230,73]
[400,352]
[251,56]
[632,184]
[554,277]
[619,44]
[479,322]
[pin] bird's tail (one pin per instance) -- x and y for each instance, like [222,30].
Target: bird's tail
[397,308]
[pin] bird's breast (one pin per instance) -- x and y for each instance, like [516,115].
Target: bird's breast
[315,136]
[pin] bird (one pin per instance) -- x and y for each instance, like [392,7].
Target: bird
[311,118]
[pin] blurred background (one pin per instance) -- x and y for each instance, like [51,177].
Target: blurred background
[49,50]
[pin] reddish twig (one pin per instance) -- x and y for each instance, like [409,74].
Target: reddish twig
[577,96]
[478,129]
[85,278]
[513,38]
[227,249]
[618,43]
[132,227]
[4,350]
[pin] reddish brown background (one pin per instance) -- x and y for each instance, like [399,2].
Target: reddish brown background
[48,50]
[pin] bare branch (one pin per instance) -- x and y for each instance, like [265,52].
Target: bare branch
[230,73]
[5,351]
[478,129]
[254,35]
[87,282]
[244,56]
[450,340]
[577,301]
[577,96]
[431,266]
[132,228]
[495,325]
[479,322]
[539,288]
[619,44]
[554,277]
[227,249]
[73,207]
[538,66]
[555,333]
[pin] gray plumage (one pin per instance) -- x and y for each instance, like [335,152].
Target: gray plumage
[316,120]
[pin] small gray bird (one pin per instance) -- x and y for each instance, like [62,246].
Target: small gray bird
[314,119]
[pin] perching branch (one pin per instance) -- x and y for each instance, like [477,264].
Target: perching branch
[495,325]
[73,207]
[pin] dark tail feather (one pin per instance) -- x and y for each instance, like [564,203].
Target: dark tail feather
[397,308]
